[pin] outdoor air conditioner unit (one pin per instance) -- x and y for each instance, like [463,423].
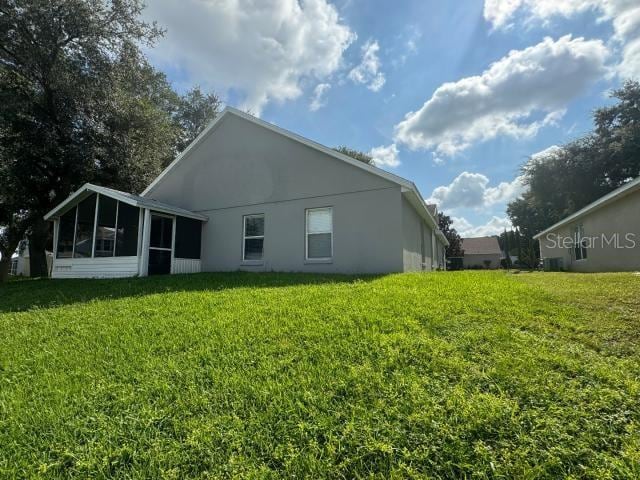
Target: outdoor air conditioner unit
[553,264]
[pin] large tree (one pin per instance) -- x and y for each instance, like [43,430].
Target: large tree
[81,103]
[584,170]
[455,242]
[12,219]
[195,110]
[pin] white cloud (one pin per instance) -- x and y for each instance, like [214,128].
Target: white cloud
[547,152]
[625,15]
[261,50]
[409,45]
[368,71]
[495,226]
[506,98]
[385,156]
[472,190]
[498,12]
[319,99]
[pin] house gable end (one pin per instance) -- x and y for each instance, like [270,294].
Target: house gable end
[241,162]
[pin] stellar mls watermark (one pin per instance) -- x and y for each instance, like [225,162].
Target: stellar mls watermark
[614,240]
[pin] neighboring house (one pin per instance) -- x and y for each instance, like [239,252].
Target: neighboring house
[481,252]
[603,236]
[20,260]
[248,195]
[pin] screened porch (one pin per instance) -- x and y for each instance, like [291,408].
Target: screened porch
[101,232]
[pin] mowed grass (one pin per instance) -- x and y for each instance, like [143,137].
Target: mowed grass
[443,375]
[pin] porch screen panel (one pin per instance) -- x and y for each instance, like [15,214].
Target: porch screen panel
[84,227]
[66,234]
[127,230]
[106,229]
[188,238]
[161,229]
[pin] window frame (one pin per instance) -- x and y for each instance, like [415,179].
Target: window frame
[115,228]
[95,229]
[173,220]
[119,215]
[93,226]
[73,242]
[579,244]
[246,261]
[307,211]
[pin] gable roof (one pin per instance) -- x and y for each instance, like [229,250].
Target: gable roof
[610,197]
[481,246]
[129,198]
[407,187]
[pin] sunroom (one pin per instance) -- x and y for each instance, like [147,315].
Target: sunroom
[101,232]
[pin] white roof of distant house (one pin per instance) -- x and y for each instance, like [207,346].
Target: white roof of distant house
[610,197]
[481,246]
[131,199]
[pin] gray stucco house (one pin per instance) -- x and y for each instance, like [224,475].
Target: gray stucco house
[248,195]
[481,252]
[604,236]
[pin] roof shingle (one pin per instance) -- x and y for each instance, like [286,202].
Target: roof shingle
[481,245]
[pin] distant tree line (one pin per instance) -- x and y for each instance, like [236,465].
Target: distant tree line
[356,154]
[445,224]
[578,173]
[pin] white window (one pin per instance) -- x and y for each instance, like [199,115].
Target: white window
[253,238]
[580,243]
[14,267]
[319,233]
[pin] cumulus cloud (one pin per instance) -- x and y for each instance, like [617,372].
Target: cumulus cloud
[367,72]
[500,12]
[385,156]
[624,14]
[546,153]
[495,226]
[319,99]
[262,51]
[472,190]
[505,99]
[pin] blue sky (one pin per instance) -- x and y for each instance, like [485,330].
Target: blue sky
[503,80]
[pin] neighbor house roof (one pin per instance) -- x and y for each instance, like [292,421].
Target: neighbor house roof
[407,187]
[481,246]
[131,199]
[610,197]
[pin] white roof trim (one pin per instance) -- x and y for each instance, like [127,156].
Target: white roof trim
[406,184]
[130,199]
[601,202]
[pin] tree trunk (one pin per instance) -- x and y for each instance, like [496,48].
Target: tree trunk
[37,245]
[5,265]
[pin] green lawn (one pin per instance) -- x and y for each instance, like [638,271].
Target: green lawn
[444,375]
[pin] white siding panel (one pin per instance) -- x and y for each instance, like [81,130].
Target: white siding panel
[108,267]
[186,265]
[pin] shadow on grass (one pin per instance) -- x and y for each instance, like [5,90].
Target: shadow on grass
[44,293]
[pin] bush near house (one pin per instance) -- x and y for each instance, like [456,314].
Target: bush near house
[441,375]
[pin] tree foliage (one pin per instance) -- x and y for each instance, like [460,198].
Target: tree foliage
[455,241]
[195,110]
[81,103]
[357,154]
[584,170]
